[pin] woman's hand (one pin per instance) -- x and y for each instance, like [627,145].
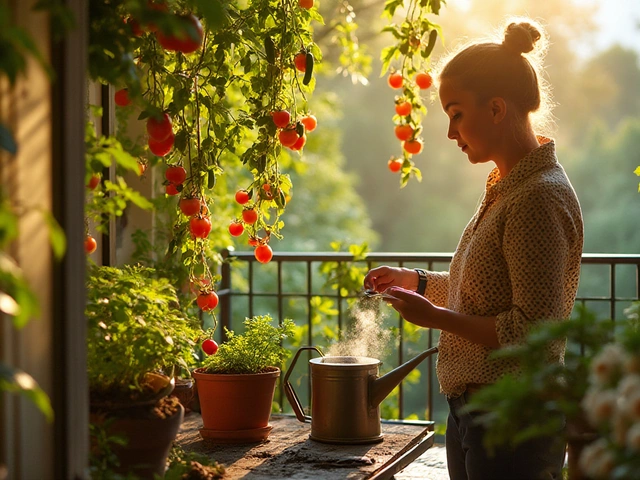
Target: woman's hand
[413,307]
[381,278]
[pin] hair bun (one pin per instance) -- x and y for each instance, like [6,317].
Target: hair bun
[520,37]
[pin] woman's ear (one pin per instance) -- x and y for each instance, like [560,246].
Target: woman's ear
[498,109]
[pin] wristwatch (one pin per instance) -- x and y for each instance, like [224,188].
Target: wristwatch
[422,281]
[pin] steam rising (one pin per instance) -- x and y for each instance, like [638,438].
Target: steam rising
[365,336]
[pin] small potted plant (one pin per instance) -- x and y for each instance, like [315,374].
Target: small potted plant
[237,381]
[136,335]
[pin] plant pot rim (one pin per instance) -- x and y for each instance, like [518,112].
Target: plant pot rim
[134,403]
[199,373]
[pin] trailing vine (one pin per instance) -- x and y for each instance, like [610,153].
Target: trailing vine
[415,38]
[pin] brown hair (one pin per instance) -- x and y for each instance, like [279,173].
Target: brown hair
[505,70]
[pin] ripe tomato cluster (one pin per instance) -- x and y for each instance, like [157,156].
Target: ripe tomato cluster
[293,134]
[250,216]
[161,137]
[175,176]
[407,128]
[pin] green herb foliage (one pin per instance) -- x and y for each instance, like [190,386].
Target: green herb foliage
[135,326]
[255,350]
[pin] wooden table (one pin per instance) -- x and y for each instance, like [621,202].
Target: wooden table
[288,453]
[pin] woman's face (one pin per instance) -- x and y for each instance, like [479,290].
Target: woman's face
[471,123]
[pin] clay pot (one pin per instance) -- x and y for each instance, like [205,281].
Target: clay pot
[236,408]
[184,391]
[148,444]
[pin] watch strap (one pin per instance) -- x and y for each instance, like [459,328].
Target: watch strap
[422,281]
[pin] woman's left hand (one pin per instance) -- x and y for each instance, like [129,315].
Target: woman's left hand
[412,306]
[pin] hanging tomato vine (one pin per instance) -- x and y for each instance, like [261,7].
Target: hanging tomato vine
[415,38]
[218,84]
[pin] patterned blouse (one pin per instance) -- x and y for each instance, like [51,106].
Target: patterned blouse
[518,259]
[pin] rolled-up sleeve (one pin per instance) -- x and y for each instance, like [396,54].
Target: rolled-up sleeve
[437,291]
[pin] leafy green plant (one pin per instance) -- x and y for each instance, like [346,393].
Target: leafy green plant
[533,403]
[255,350]
[183,465]
[612,405]
[135,326]
[110,198]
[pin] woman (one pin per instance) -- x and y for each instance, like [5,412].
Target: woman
[518,260]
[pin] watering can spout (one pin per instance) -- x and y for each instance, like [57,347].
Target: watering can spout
[381,387]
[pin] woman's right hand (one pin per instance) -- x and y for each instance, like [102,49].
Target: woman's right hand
[381,278]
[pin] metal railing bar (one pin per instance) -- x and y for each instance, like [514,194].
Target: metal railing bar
[612,290]
[400,259]
[435,257]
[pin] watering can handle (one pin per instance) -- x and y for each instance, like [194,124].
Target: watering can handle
[290,392]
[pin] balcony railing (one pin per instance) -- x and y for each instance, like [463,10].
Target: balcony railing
[609,283]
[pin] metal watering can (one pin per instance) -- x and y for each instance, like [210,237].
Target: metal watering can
[346,393]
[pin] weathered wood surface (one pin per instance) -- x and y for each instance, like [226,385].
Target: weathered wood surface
[288,453]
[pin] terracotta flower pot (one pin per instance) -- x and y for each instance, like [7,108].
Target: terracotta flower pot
[236,408]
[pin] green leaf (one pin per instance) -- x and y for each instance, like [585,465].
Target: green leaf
[213,13]
[16,381]
[6,140]
[56,235]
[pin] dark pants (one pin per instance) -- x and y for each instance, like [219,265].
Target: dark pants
[540,458]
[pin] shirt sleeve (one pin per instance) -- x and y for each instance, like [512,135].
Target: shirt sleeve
[537,240]
[437,291]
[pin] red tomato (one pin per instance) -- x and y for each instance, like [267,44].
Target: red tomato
[210,347]
[90,244]
[242,197]
[423,80]
[171,189]
[236,229]
[200,226]
[395,165]
[404,132]
[187,41]
[121,98]
[136,29]
[413,146]
[263,253]
[93,181]
[266,187]
[288,137]
[299,143]
[305,4]
[190,206]
[403,109]
[159,128]
[176,174]
[207,301]
[159,7]
[310,123]
[281,118]
[253,241]
[301,61]
[161,147]
[250,216]
[395,80]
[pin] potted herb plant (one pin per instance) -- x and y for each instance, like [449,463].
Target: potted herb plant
[237,382]
[136,335]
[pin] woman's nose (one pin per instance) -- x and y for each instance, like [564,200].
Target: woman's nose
[451,133]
